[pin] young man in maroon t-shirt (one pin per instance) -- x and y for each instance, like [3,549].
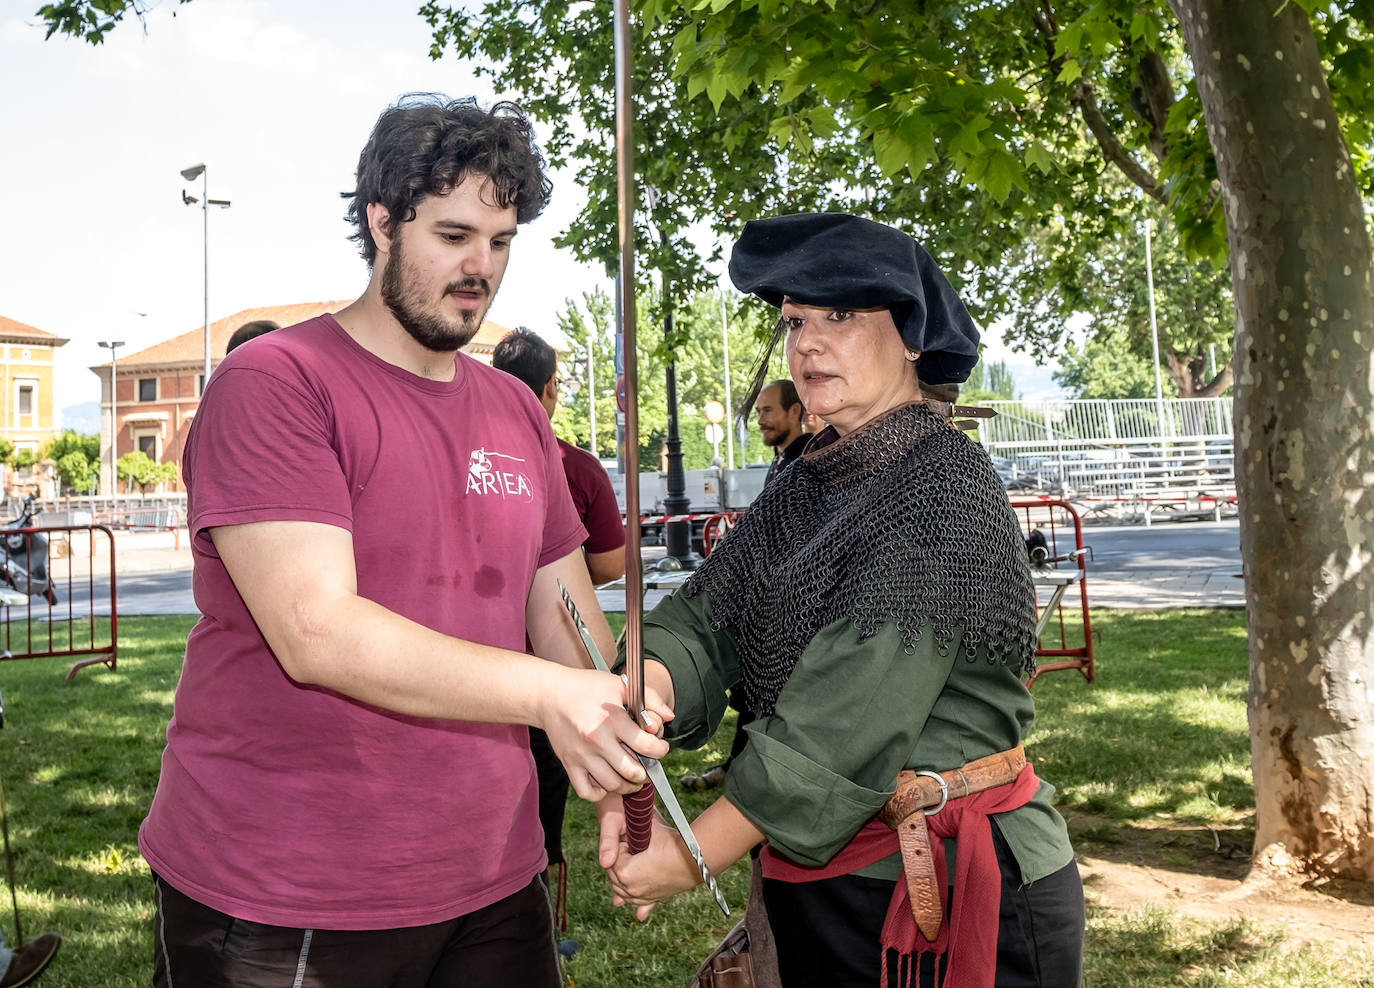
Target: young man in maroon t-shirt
[347,797]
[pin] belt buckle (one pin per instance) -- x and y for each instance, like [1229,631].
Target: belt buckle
[944,792]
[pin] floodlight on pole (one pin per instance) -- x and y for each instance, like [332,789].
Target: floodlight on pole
[190,174]
[113,346]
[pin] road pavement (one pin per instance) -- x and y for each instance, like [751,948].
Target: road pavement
[1175,564]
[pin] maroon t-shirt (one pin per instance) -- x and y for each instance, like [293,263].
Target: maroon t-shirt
[295,806]
[594,498]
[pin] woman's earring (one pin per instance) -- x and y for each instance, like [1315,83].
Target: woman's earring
[912,355]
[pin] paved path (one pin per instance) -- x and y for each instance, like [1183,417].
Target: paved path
[1179,564]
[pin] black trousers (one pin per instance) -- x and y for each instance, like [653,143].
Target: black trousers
[553,793]
[827,931]
[510,942]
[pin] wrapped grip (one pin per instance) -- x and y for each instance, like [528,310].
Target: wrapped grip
[639,818]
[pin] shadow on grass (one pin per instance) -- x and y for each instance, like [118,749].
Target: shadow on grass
[1185,850]
[1162,732]
[1146,950]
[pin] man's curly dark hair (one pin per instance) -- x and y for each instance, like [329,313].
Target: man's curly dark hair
[425,144]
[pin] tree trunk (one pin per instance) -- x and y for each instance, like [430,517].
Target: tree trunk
[1300,263]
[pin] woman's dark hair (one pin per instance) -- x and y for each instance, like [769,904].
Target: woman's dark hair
[425,144]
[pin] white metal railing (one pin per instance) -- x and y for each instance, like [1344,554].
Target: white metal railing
[1051,423]
[1131,450]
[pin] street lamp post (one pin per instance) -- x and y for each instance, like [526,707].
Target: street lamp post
[113,346]
[591,386]
[729,399]
[191,174]
[1154,330]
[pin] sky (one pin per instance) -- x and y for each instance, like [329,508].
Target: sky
[277,99]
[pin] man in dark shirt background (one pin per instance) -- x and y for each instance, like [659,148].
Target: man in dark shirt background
[522,353]
[780,414]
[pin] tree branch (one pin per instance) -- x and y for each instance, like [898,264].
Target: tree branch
[1084,97]
[1157,97]
[1218,384]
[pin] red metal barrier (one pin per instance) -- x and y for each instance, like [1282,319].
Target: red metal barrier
[1070,645]
[37,627]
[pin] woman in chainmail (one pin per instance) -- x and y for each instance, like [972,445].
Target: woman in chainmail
[875,610]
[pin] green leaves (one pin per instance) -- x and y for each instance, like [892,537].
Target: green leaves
[1037,156]
[89,20]
[997,171]
[994,131]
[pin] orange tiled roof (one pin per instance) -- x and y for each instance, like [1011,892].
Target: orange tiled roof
[14,329]
[189,347]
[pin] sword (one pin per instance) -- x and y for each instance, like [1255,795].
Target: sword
[651,765]
[639,806]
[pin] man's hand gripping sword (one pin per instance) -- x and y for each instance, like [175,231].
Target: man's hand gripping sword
[657,779]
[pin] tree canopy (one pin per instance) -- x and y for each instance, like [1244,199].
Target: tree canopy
[136,467]
[1023,140]
[77,456]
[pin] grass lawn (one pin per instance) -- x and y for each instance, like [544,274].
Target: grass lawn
[1159,741]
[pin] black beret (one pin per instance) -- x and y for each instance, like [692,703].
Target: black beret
[841,261]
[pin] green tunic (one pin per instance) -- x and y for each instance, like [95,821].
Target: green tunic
[853,713]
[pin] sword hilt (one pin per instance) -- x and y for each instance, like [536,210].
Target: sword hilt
[638,805]
[639,818]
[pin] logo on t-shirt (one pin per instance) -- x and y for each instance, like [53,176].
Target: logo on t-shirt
[485,477]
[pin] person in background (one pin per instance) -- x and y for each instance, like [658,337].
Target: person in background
[525,355]
[780,416]
[249,331]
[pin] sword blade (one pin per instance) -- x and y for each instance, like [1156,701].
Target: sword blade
[651,765]
[665,792]
[625,212]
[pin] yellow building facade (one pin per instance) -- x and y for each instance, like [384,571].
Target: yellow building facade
[27,417]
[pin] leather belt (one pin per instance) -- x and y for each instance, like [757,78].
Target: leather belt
[922,794]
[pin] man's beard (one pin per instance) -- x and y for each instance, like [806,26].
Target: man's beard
[773,439]
[403,295]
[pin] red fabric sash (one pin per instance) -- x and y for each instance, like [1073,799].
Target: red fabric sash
[968,933]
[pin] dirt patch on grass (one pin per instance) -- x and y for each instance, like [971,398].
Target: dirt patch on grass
[1200,872]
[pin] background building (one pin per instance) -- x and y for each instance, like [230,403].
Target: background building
[159,388]
[26,407]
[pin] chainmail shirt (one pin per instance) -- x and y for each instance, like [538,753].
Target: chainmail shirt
[902,522]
